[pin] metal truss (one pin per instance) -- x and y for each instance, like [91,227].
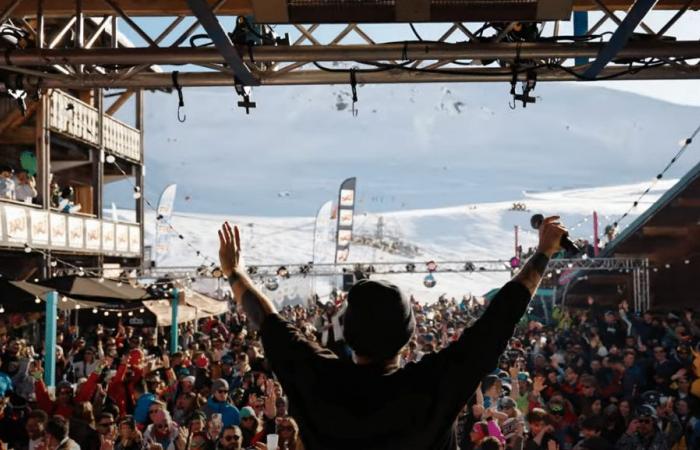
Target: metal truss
[638,267]
[56,52]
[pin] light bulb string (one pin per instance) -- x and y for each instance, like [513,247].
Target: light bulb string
[159,218]
[686,143]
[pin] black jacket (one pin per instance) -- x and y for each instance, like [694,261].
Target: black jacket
[340,405]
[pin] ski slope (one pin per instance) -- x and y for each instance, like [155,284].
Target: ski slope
[479,231]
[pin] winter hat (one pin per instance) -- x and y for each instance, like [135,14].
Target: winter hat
[247,411]
[378,320]
[190,379]
[219,385]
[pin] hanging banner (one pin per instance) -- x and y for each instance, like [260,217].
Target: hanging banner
[16,224]
[324,235]
[346,213]
[163,231]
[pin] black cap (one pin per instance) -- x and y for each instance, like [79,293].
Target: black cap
[378,320]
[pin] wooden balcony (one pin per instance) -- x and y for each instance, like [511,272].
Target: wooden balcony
[78,120]
[22,224]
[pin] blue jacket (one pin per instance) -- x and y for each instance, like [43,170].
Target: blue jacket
[229,413]
[5,384]
[143,404]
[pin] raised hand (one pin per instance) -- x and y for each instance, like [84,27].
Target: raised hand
[229,248]
[551,232]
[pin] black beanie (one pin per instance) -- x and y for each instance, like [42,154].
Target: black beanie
[378,320]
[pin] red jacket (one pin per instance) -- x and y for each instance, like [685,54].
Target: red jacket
[118,391]
[51,407]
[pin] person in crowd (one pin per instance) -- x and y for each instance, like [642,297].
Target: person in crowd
[7,183]
[129,437]
[163,431]
[25,187]
[251,427]
[36,430]
[231,439]
[218,404]
[56,435]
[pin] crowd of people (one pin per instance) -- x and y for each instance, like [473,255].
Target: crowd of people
[590,379]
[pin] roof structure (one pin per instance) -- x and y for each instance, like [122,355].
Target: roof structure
[301,42]
[668,235]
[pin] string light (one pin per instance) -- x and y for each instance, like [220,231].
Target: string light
[684,143]
[27,248]
[130,313]
[94,310]
[119,314]
[106,313]
[64,299]
[2,309]
[141,310]
[77,306]
[37,300]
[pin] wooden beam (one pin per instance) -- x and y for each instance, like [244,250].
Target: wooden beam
[119,102]
[15,118]
[654,231]
[19,136]
[134,8]
[683,202]
[156,8]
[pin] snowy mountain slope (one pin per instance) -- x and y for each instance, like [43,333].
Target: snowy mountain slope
[468,232]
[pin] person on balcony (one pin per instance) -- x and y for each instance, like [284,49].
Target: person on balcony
[65,202]
[25,187]
[7,183]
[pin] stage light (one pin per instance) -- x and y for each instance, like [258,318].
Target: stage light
[271,284]
[429,281]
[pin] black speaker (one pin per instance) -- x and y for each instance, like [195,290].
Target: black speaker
[348,281]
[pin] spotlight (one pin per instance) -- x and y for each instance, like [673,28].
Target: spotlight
[410,267]
[431,266]
[469,267]
[271,284]
[282,272]
[429,281]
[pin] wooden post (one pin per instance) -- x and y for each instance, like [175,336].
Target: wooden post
[140,169]
[43,152]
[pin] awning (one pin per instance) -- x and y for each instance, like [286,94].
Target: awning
[20,297]
[206,306]
[196,306]
[163,312]
[85,288]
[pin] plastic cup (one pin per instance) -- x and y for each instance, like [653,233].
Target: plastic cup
[272,441]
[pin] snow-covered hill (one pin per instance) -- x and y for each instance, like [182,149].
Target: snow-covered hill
[467,232]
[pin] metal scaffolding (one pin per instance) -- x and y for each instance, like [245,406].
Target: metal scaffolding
[55,52]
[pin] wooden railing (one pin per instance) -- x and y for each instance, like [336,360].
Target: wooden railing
[76,119]
[28,225]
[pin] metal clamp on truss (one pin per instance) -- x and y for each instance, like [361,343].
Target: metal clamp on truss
[244,91]
[528,86]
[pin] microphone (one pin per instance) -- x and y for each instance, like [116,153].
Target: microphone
[565,242]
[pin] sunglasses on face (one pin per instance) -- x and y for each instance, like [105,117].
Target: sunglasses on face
[222,391]
[229,438]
